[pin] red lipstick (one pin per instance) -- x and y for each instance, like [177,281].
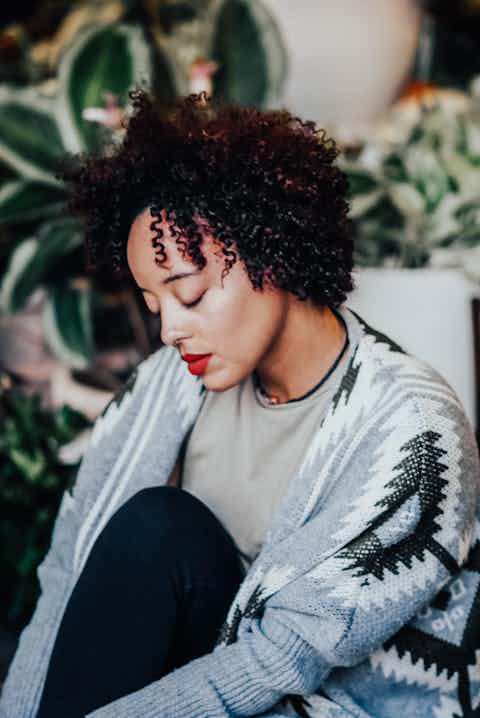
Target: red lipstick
[197,363]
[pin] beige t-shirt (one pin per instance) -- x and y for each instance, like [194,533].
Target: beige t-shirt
[243,451]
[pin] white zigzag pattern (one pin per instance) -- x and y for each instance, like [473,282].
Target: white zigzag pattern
[404,584]
[130,452]
[449,441]
[429,390]
[346,415]
[447,708]
[474,676]
[404,421]
[322,449]
[269,581]
[104,425]
[416,376]
[465,542]
[378,593]
[335,580]
[404,669]
[382,350]
[276,578]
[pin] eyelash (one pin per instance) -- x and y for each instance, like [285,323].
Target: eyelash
[193,304]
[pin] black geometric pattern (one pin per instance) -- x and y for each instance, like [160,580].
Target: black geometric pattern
[424,649]
[378,336]
[419,473]
[254,608]
[350,377]
[229,633]
[119,395]
[347,384]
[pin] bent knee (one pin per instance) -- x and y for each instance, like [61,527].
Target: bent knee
[165,523]
[157,512]
[165,501]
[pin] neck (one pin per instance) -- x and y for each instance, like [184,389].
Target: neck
[302,353]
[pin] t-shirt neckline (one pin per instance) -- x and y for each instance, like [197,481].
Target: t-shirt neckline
[322,387]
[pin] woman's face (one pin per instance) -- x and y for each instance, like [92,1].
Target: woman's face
[238,325]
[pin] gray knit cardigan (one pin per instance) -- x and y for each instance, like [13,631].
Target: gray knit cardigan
[364,600]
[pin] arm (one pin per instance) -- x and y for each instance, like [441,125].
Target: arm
[421,494]
[56,572]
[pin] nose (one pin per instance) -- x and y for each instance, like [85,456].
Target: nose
[171,320]
[170,335]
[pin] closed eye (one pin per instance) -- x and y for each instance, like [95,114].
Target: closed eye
[193,304]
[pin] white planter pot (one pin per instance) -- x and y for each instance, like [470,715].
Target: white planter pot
[428,312]
[348,59]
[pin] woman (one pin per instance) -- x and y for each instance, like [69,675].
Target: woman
[278,515]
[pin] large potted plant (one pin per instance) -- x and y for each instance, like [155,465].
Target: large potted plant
[69,96]
[415,209]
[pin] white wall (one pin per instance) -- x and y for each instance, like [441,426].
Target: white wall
[348,58]
[428,312]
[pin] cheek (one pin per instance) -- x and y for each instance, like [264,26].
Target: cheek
[243,324]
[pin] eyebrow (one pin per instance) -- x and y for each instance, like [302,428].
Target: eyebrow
[174,277]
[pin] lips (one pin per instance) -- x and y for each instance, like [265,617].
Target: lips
[194,357]
[197,363]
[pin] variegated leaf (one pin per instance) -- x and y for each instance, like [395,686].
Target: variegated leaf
[33,258]
[27,200]
[67,318]
[252,59]
[30,142]
[112,59]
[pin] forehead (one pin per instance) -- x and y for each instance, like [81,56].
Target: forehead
[141,254]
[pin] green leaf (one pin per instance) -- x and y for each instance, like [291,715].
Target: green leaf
[68,325]
[360,181]
[407,199]
[110,59]
[34,257]
[472,133]
[465,174]
[363,203]
[248,46]
[30,141]
[31,466]
[27,200]
[427,174]
[394,169]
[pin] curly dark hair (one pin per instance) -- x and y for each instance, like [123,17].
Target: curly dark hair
[264,182]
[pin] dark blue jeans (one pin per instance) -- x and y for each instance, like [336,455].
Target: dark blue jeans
[152,596]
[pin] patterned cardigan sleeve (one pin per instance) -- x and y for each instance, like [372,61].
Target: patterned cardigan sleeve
[56,571]
[409,528]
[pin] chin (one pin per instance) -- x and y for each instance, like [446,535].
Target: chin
[220,381]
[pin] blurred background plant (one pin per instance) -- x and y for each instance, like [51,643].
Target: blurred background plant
[66,93]
[415,184]
[33,476]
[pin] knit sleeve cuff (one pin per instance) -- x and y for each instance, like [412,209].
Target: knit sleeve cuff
[242,679]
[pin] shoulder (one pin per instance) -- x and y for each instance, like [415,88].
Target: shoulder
[401,418]
[384,374]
